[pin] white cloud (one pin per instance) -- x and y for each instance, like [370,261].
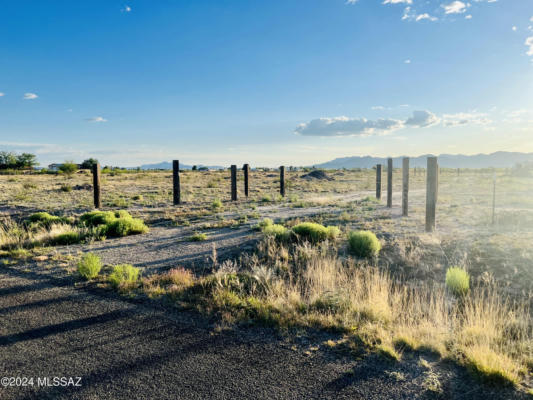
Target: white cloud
[97,119]
[421,119]
[344,126]
[421,17]
[465,119]
[407,13]
[529,43]
[2,94]
[30,96]
[455,7]
[531,19]
[514,28]
[408,61]
[126,9]
[398,2]
[378,108]
[469,16]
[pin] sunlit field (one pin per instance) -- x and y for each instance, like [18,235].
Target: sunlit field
[402,295]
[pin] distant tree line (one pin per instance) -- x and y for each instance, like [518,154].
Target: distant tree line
[10,160]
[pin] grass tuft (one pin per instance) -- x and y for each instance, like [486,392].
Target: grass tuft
[364,244]
[457,281]
[89,266]
[124,276]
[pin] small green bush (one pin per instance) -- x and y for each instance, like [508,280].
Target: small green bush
[363,244]
[89,266]
[217,204]
[126,226]
[117,224]
[263,224]
[198,237]
[66,238]
[315,232]
[276,230]
[457,281]
[124,276]
[45,219]
[66,188]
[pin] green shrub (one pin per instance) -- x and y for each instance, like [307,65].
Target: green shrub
[217,204]
[457,281]
[266,199]
[138,197]
[45,219]
[66,238]
[126,226]
[276,230]
[66,188]
[198,237]
[95,218]
[89,266]
[124,276]
[315,232]
[363,244]
[117,224]
[263,224]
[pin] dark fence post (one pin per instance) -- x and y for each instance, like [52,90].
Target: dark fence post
[246,169]
[96,185]
[176,181]
[282,181]
[389,182]
[233,183]
[431,192]
[405,187]
[378,181]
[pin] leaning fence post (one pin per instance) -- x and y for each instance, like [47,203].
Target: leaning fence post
[378,181]
[233,183]
[405,186]
[389,183]
[246,169]
[96,185]
[431,192]
[282,180]
[176,182]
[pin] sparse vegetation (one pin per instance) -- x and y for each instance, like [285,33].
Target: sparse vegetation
[89,266]
[364,244]
[124,276]
[457,281]
[198,237]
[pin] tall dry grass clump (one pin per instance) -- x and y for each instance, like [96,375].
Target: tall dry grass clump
[308,285]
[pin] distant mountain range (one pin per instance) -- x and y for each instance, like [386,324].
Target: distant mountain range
[500,159]
[168,165]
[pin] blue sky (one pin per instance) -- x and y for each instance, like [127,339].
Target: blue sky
[292,82]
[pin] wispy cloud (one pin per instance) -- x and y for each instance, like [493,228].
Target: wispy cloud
[96,119]
[126,9]
[30,96]
[398,2]
[463,118]
[421,17]
[2,94]
[408,61]
[455,7]
[344,126]
[469,16]
[422,119]
[529,44]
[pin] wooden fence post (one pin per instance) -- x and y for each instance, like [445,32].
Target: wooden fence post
[246,169]
[431,192]
[96,185]
[405,186]
[176,182]
[282,180]
[389,182]
[378,181]
[233,183]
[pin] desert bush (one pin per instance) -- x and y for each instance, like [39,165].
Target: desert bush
[66,188]
[457,281]
[277,231]
[198,237]
[114,224]
[363,244]
[89,266]
[314,232]
[124,276]
[66,238]
[217,204]
[45,219]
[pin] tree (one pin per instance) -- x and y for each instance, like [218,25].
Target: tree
[26,160]
[88,164]
[68,167]
[8,160]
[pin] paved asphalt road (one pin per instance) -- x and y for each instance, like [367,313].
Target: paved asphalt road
[122,350]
